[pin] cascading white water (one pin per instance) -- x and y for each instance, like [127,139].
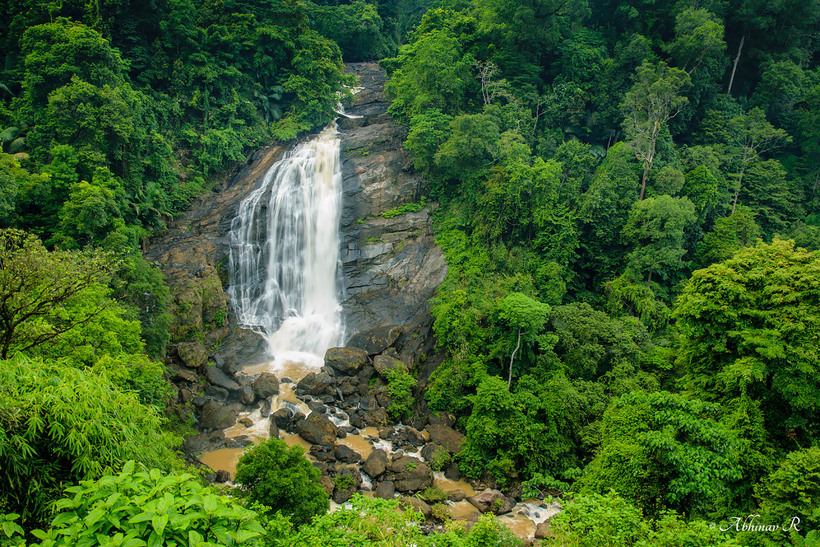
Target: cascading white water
[284,256]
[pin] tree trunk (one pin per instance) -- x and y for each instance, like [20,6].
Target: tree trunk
[734,66]
[646,167]
[737,190]
[512,358]
[649,281]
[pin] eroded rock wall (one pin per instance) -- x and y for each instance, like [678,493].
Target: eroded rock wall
[392,266]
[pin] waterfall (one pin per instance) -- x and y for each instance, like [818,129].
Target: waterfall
[284,254]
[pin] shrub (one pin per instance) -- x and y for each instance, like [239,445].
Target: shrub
[280,477]
[400,386]
[59,425]
[133,507]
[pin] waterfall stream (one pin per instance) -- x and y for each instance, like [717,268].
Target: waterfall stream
[284,254]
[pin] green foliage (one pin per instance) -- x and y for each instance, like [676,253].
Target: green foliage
[656,228]
[664,451]
[357,28]
[61,425]
[433,494]
[400,386]
[47,294]
[745,336]
[281,478]
[141,507]
[648,106]
[433,74]
[596,519]
[729,235]
[406,208]
[441,459]
[793,489]
[367,522]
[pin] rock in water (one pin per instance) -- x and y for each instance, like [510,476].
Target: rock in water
[376,463]
[216,416]
[492,501]
[317,429]
[376,340]
[347,361]
[266,385]
[411,474]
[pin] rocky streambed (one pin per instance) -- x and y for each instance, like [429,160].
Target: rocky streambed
[339,414]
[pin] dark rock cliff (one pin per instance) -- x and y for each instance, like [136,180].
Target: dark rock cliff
[392,266]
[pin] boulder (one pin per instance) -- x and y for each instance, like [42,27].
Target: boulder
[316,406]
[492,501]
[456,495]
[316,429]
[346,454]
[410,474]
[376,418]
[216,416]
[366,374]
[346,361]
[222,476]
[385,490]
[446,436]
[368,403]
[247,396]
[314,384]
[376,340]
[266,385]
[247,422]
[347,482]
[182,375]
[412,502]
[264,408]
[376,463]
[282,417]
[274,431]
[385,363]
[452,473]
[218,378]
[327,484]
[216,393]
[543,530]
[192,354]
[444,418]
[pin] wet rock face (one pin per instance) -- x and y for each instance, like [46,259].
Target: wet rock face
[376,340]
[410,474]
[317,429]
[266,385]
[346,361]
[376,464]
[216,416]
[492,501]
[392,266]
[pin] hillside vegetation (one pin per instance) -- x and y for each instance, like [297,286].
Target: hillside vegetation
[629,205]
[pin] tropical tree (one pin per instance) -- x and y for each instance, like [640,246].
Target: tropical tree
[747,337]
[43,295]
[752,135]
[59,425]
[648,106]
[664,451]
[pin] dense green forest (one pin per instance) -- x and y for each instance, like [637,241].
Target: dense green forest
[629,205]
